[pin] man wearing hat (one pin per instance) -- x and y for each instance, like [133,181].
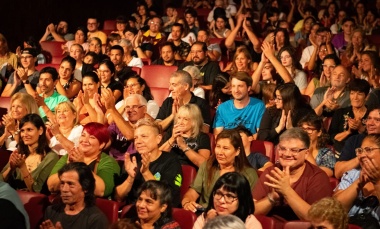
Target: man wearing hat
[24,78]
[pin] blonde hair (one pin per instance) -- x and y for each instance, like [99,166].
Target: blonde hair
[27,100]
[193,112]
[246,53]
[149,122]
[331,210]
[68,105]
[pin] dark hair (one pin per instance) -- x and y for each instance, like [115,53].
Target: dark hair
[359,85]
[130,29]
[348,19]
[291,51]
[271,11]
[91,75]
[238,184]
[243,129]
[178,25]
[292,98]
[374,56]
[71,61]
[146,92]
[84,30]
[240,161]
[159,191]
[202,44]
[286,35]
[86,180]
[322,29]
[191,11]
[43,142]
[205,30]
[332,57]
[109,65]
[316,122]
[50,70]
[121,19]
[94,56]
[326,13]
[117,47]
[220,81]
[34,44]
[242,76]
[168,43]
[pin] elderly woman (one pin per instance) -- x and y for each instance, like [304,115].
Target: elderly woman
[67,84]
[149,164]
[21,105]
[229,157]
[188,142]
[197,80]
[94,138]
[64,129]
[328,213]
[130,60]
[231,195]
[29,166]
[358,189]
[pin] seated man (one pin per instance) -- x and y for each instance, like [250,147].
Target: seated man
[77,209]
[191,18]
[242,109]
[122,71]
[93,30]
[167,54]
[48,98]
[341,40]
[348,159]
[182,48]
[214,53]
[289,189]
[25,78]
[57,32]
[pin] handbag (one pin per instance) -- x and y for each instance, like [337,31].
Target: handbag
[365,220]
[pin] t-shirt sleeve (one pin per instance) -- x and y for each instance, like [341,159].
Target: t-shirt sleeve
[164,110]
[108,169]
[197,184]
[219,121]
[62,162]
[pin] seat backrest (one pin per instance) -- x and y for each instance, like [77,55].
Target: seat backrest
[125,210]
[266,222]
[186,219]
[137,70]
[109,25]
[157,75]
[5,104]
[109,208]
[159,94]
[297,225]
[39,67]
[188,175]
[264,147]
[54,48]
[35,205]
[146,61]
[333,182]
[4,157]
[353,226]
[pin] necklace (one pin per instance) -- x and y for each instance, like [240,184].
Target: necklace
[32,162]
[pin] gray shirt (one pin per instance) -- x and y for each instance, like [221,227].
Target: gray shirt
[33,80]
[317,98]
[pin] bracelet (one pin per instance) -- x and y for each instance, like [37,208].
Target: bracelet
[26,176]
[170,144]
[187,149]
[272,201]
[183,205]
[16,132]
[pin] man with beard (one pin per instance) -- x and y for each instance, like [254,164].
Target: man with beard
[57,32]
[209,69]
[78,209]
[242,109]
[167,55]
[123,72]
[93,30]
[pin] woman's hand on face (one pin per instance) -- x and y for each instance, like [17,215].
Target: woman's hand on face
[211,214]
[370,171]
[145,162]
[279,180]
[130,165]
[75,155]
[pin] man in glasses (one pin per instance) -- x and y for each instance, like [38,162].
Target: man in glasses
[289,188]
[93,30]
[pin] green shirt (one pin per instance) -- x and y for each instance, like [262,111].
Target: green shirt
[52,102]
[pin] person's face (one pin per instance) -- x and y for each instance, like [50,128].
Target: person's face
[360,8]
[321,37]
[176,33]
[65,70]
[321,225]
[266,73]
[120,26]
[218,3]
[311,131]
[46,83]
[116,56]
[89,144]
[220,23]
[197,54]
[227,89]
[65,115]
[79,37]
[280,38]
[373,122]
[292,153]
[146,139]
[88,59]
[357,99]
[129,35]
[225,152]
[149,209]
[286,59]
[30,134]
[339,77]
[176,87]
[27,60]
[155,25]
[142,11]
[92,25]
[169,12]
[348,27]
[331,9]
[18,109]
[190,19]
[90,86]
[76,52]
[105,73]
[202,36]
[239,89]
[223,206]
[95,46]
[328,67]
[313,31]
[322,52]
[341,15]
[308,24]
[246,139]
[275,4]
[184,121]
[371,17]
[134,110]
[278,100]
[365,63]
[134,86]
[357,38]
[273,18]
[71,190]
[366,158]
[242,62]
[62,28]
[167,54]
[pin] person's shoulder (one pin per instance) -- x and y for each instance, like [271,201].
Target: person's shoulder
[320,90]
[52,155]
[255,101]
[313,170]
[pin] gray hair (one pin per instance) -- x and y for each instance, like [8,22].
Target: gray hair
[225,222]
[185,77]
[125,42]
[194,72]
[140,98]
[296,133]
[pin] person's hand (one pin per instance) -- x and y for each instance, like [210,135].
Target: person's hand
[75,155]
[240,19]
[289,123]
[279,180]
[353,124]
[331,104]
[79,100]
[39,99]
[191,41]
[18,159]
[264,59]
[13,159]
[175,15]
[314,43]
[98,106]
[175,105]
[51,27]
[145,162]
[191,206]
[211,214]
[267,49]
[282,123]
[18,51]
[9,123]
[22,73]
[47,224]
[108,98]
[370,170]
[130,165]
[53,126]
[329,94]
[323,80]
[126,92]
[328,38]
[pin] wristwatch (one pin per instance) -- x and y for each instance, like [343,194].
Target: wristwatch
[26,82]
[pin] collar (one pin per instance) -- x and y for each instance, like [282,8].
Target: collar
[158,35]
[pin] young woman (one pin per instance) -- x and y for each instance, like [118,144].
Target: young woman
[80,38]
[242,61]
[68,85]
[106,74]
[219,28]
[221,90]
[30,165]
[231,195]
[301,37]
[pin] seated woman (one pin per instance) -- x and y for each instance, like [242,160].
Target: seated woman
[242,61]
[358,186]
[94,138]
[221,90]
[106,74]
[67,84]
[351,120]
[323,73]
[197,80]
[328,213]
[229,157]
[149,164]
[302,37]
[231,195]
[188,142]
[21,105]
[64,130]
[95,46]
[129,59]
[319,153]
[29,166]
[219,26]
[80,38]
[153,208]
[290,107]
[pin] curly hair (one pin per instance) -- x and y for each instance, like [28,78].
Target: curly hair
[331,210]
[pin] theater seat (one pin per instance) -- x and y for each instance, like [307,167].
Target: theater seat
[109,208]
[35,205]
[266,222]
[188,173]
[41,66]
[264,147]
[186,219]
[297,225]
[157,75]
[53,48]
[159,94]
[109,25]
[5,104]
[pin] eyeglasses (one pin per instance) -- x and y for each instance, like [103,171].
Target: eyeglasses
[134,107]
[154,23]
[131,85]
[227,197]
[294,151]
[367,150]
[328,66]
[308,130]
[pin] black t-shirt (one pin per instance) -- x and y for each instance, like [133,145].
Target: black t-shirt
[257,160]
[115,85]
[89,217]
[348,151]
[208,71]
[160,61]
[124,74]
